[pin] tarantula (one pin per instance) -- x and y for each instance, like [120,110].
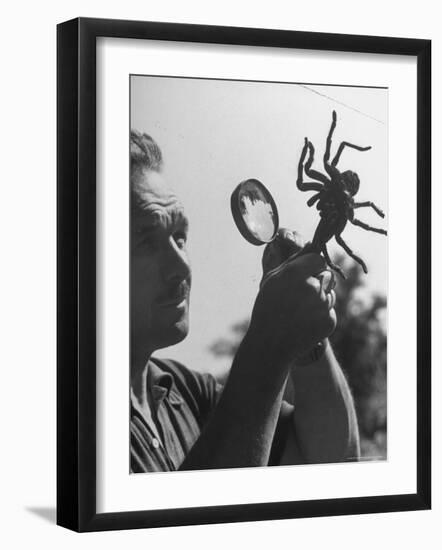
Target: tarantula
[334,197]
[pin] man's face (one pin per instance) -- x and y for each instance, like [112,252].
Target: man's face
[160,270]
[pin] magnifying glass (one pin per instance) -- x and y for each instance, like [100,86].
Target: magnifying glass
[256,217]
[255,212]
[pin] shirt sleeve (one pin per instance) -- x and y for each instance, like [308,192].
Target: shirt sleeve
[200,390]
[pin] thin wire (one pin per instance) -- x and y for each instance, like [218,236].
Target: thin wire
[341,103]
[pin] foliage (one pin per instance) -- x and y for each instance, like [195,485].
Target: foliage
[360,344]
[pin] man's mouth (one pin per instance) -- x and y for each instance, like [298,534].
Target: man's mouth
[175,296]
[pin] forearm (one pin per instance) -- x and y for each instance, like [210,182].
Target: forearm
[324,415]
[241,429]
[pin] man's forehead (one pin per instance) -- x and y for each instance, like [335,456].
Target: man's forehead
[152,186]
[155,198]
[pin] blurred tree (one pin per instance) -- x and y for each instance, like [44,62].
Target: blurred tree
[360,344]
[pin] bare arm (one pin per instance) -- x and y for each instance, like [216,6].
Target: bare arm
[288,318]
[324,423]
[324,418]
[240,432]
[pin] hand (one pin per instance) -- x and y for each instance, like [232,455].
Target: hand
[285,244]
[294,308]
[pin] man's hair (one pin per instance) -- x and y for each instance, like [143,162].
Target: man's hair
[144,153]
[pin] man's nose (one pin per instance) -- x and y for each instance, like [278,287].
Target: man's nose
[176,265]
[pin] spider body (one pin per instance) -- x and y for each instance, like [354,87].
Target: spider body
[334,197]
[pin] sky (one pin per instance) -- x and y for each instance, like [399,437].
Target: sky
[215,134]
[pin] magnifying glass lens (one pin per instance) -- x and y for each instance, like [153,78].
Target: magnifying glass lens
[255,212]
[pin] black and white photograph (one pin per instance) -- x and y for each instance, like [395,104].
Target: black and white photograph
[244,252]
[217,275]
[258,273]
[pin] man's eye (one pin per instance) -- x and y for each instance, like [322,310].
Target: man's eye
[180,239]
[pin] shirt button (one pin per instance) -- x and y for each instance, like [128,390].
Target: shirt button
[155,443]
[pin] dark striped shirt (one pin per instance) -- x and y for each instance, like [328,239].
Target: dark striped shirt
[181,403]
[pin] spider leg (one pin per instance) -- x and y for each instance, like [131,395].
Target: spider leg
[330,263]
[313,199]
[354,221]
[350,252]
[347,144]
[329,138]
[311,173]
[370,204]
[331,170]
[306,185]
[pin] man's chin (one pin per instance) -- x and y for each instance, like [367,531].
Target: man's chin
[173,334]
[180,331]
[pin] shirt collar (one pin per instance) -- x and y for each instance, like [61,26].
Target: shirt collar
[159,383]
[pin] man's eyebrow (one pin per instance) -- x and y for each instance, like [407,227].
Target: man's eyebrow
[175,219]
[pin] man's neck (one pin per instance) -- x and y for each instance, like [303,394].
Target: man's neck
[138,373]
[140,398]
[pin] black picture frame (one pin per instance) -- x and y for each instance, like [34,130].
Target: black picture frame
[76,273]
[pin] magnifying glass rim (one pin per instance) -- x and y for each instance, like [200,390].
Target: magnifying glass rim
[239,219]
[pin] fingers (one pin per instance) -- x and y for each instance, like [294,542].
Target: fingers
[285,244]
[325,315]
[324,289]
[299,266]
[308,265]
[331,299]
[291,239]
[327,280]
[327,283]
[295,304]
[319,316]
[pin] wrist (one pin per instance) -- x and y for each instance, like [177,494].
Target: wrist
[265,356]
[313,355]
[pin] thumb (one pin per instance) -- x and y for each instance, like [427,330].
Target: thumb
[285,244]
[307,264]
